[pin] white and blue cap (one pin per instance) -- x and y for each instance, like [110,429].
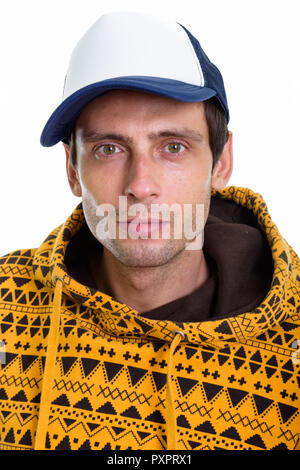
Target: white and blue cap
[134,51]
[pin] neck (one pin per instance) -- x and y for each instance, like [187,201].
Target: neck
[137,287]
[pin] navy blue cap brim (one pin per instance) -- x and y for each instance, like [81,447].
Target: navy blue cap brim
[60,124]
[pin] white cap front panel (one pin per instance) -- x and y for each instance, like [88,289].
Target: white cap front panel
[126,44]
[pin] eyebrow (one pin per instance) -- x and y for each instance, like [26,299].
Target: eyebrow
[90,136]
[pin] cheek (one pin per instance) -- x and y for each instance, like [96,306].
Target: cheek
[206,183]
[98,186]
[196,183]
[91,179]
[204,176]
[89,206]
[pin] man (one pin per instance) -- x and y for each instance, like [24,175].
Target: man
[116,336]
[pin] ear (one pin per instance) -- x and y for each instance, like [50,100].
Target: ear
[72,173]
[223,168]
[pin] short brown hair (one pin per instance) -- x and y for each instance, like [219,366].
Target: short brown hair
[217,127]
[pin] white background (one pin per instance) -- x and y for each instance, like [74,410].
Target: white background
[254,43]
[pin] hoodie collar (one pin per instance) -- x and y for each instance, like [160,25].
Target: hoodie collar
[117,319]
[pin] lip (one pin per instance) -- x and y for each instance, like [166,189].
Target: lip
[137,221]
[145,228]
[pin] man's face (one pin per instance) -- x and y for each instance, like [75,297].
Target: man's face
[152,150]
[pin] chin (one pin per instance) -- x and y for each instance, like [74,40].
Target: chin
[144,253]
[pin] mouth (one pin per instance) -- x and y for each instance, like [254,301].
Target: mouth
[138,220]
[143,227]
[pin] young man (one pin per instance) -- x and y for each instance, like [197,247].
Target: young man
[116,336]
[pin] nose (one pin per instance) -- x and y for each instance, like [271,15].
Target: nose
[142,180]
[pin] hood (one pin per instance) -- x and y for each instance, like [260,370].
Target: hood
[117,319]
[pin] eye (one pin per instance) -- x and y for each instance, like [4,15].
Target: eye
[175,147]
[107,150]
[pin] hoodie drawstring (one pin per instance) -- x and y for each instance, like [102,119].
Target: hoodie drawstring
[171,424]
[52,345]
[44,411]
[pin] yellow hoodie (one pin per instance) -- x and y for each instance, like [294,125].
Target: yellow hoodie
[79,370]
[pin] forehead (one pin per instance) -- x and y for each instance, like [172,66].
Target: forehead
[125,107]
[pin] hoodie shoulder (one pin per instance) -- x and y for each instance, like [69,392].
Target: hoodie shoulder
[293,289]
[16,272]
[22,257]
[294,265]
